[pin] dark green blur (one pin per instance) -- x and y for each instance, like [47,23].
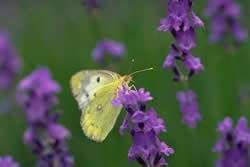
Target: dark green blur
[60,34]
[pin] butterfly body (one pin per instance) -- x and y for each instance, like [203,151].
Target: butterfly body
[94,90]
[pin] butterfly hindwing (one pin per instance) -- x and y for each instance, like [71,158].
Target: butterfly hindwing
[100,115]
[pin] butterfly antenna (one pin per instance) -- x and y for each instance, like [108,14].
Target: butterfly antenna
[131,65]
[147,69]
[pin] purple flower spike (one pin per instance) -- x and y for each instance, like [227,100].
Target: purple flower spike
[113,48]
[234,144]
[144,127]
[45,136]
[225,15]
[10,64]
[7,162]
[181,21]
[189,108]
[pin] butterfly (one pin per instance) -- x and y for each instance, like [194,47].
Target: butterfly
[94,90]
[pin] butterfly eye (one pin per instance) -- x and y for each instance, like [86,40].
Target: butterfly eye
[98,79]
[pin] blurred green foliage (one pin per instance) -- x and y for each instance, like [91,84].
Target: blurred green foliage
[60,34]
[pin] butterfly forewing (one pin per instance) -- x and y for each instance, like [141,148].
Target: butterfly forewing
[85,84]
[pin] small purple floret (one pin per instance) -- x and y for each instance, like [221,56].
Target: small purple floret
[189,108]
[110,47]
[7,162]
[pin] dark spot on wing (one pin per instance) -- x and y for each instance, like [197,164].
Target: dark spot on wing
[87,95]
[98,79]
[99,107]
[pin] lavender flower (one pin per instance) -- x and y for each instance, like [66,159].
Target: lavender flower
[144,127]
[113,48]
[45,136]
[234,144]
[10,64]
[7,162]
[181,22]
[225,15]
[189,108]
[91,5]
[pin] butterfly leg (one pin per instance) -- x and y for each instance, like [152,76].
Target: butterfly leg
[132,87]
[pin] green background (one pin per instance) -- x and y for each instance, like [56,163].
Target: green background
[60,34]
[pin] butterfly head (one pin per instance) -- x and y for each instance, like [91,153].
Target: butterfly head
[126,79]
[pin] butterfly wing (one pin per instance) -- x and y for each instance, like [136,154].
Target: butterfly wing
[100,115]
[85,84]
[94,91]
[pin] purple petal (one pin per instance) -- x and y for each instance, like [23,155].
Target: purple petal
[165,149]
[125,124]
[7,162]
[225,126]
[58,132]
[181,96]
[139,117]
[28,136]
[196,20]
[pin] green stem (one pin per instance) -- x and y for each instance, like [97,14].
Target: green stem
[185,85]
[95,25]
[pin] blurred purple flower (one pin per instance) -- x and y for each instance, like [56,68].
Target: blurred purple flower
[234,144]
[113,48]
[45,136]
[58,132]
[91,5]
[144,126]
[36,94]
[181,22]
[10,64]
[225,15]
[189,108]
[7,162]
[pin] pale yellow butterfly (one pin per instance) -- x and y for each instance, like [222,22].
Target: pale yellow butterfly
[94,90]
